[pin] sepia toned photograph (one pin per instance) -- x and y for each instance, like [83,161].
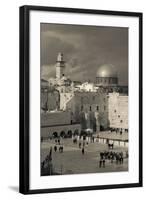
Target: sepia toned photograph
[80,99]
[84,99]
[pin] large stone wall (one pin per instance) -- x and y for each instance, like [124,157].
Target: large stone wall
[112,109]
[48,131]
[50,99]
[118,111]
[89,102]
[55,118]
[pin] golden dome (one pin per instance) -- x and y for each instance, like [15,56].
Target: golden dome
[106,70]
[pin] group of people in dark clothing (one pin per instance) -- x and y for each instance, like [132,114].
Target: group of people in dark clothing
[60,148]
[112,156]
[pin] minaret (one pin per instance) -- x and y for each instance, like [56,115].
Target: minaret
[60,66]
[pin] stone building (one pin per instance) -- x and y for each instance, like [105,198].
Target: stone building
[95,106]
[89,105]
[59,123]
[86,87]
[60,66]
[49,99]
[118,111]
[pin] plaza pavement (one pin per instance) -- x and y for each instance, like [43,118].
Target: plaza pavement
[71,161]
[113,135]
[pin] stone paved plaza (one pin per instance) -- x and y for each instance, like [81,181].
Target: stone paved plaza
[71,161]
[114,135]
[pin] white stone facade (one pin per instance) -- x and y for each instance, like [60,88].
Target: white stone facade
[118,111]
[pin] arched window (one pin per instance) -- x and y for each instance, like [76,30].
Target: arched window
[81,107]
[90,108]
[62,133]
[55,134]
[69,133]
[76,132]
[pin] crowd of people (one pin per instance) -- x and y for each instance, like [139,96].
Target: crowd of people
[118,130]
[112,156]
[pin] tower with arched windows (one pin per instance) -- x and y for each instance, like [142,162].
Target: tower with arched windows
[60,66]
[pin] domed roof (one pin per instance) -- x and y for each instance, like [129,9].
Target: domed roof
[106,70]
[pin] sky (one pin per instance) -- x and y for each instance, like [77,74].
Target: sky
[85,49]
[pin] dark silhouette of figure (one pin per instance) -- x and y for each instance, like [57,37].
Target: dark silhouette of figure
[83,151]
[100,163]
[59,141]
[55,148]
[103,163]
[61,149]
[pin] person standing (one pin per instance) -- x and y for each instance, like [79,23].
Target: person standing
[55,148]
[83,151]
[103,162]
[100,163]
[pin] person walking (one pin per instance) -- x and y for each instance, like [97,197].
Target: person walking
[103,162]
[83,151]
[55,148]
[62,149]
[100,163]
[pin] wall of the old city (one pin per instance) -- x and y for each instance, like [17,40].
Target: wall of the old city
[118,111]
[48,131]
[50,100]
[90,102]
[55,118]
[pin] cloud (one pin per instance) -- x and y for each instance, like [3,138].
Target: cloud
[85,48]
[47,71]
[68,38]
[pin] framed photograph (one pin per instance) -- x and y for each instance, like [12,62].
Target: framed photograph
[80,99]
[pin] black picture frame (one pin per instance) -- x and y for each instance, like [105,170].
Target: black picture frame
[25,105]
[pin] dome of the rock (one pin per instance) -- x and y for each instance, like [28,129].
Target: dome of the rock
[107,70]
[106,75]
